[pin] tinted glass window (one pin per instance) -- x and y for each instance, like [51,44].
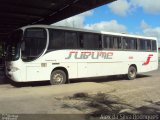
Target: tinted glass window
[149,45]
[108,42]
[60,39]
[112,42]
[142,44]
[154,46]
[56,39]
[117,42]
[70,40]
[34,43]
[130,43]
[35,33]
[89,41]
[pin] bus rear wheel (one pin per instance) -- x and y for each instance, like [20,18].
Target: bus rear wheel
[132,73]
[58,77]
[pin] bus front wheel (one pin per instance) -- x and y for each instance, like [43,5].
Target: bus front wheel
[58,77]
[132,73]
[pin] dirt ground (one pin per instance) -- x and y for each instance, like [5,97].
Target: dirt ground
[85,98]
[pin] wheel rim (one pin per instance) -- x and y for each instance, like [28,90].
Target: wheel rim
[58,78]
[132,73]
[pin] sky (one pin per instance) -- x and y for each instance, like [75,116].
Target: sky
[140,17]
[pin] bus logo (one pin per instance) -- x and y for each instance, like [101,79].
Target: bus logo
[92,55]
[148,59]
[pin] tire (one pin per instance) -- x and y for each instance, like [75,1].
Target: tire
[58,77]
[132,73]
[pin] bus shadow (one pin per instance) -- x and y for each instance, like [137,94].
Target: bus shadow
[107,78]
[29,84]
[5,80]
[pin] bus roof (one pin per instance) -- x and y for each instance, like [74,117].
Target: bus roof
[90,31]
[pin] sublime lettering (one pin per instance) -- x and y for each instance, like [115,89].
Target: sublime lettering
[92,55]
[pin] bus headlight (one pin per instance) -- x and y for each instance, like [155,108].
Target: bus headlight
[14,69]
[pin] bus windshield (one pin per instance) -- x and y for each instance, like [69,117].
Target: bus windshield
[13,46]
[33,44]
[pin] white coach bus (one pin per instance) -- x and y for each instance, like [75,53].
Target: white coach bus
[41,52]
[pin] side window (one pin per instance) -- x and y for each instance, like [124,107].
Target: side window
[148,44]
[112,42]
[117,42]
[89,40]
[154,45]
[133,44]
[56,39]
[34,43]
[106,41]
[130,43]
[126,43]
[70,40]
[142,44]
